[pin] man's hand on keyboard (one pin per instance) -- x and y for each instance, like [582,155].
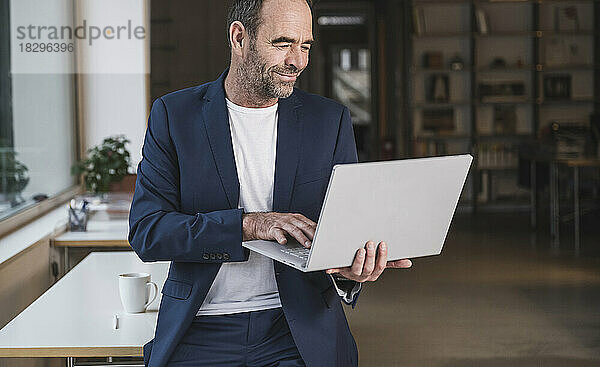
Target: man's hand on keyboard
[369,263]
[274,226]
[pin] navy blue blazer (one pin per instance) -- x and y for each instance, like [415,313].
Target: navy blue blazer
[185,210]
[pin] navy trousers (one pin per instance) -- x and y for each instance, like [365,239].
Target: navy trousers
[248,339]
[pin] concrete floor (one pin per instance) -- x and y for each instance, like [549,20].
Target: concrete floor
[497,296]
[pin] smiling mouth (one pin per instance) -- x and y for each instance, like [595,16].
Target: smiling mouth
[287,76]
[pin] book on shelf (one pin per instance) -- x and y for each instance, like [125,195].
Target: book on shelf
[570,138]
[427,148]
[438,120]
[494,91]
[433,60]
[557,87]
[497,155]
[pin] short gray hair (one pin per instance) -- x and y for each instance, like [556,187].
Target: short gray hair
[247,12]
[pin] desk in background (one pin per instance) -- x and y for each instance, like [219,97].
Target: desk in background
[74,318]
[102,232]
[554,163]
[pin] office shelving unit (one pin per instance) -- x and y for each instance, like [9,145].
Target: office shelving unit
[518,67]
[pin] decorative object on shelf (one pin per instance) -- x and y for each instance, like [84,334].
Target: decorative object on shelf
[505,119]
[557,87]
[498,63]
[438,120]
[437,88]
[14,177]
[494,91]
[519,63]
[106,163]
[457,63]
[433,60]
[566,19]
[482,22]
[419,21]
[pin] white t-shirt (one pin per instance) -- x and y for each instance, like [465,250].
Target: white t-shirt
[250,285]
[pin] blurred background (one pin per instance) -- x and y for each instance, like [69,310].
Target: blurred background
[515,83]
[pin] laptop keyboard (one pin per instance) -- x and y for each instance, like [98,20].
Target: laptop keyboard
[299,252]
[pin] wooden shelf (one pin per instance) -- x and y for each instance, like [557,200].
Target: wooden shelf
[497,168]
[440,105]
[546,102]
[542,34]
[420,69]
[504,137]
[441,137]
[521,39]
[571,67]
[481,103]
[443,35]
[509,68]
[501,34]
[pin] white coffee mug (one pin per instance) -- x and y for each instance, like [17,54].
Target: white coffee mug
[135,290]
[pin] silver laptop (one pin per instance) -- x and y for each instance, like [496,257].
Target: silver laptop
[407,203]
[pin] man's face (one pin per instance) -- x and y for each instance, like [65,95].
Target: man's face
[280,51]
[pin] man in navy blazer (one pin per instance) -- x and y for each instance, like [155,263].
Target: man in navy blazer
[185,207]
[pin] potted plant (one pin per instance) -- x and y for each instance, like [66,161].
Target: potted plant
[13,176]
[105,164]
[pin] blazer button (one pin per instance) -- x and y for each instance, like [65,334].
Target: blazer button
[212,256]
[219,256]
[205,257]
[226,256]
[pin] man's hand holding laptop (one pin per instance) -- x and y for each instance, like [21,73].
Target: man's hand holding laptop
[369,262]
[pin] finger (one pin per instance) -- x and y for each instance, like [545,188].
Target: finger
[404,263]
[279,236]
[296,233]
[332,271]
[369,264]
[306,220]
[381,261]
[305,227]
[357,265]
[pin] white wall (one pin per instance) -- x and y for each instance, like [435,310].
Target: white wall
[114,75]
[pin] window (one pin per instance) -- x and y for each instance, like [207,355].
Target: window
[37,115]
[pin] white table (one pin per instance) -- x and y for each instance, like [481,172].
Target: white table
[74,318]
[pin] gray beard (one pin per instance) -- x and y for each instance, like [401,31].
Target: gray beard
[260,83]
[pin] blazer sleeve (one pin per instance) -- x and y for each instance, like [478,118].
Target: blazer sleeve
[158,231]
[345,152]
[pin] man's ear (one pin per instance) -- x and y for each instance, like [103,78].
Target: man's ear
[238,37]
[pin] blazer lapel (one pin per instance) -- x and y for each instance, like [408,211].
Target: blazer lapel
[288,151]
[216,121]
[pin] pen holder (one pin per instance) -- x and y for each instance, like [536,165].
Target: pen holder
[78,219]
